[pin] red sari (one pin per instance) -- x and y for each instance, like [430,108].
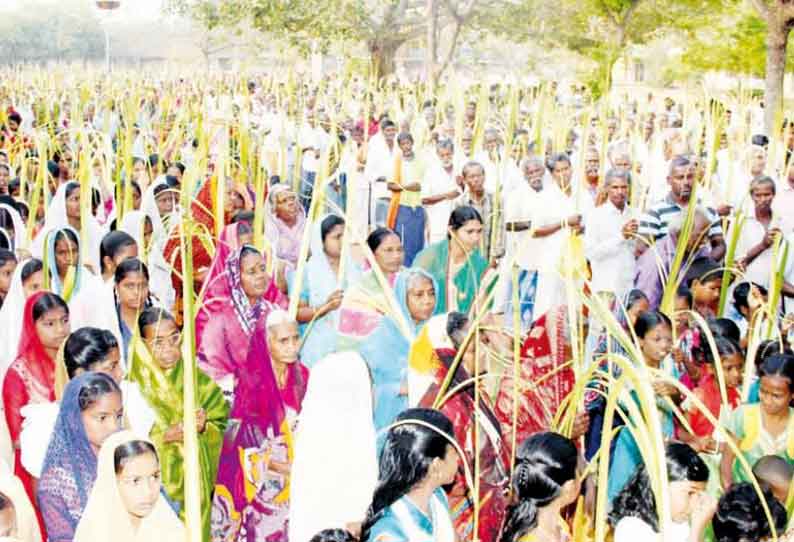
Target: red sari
[542,353]
[30,379]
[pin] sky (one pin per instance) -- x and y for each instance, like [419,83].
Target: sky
[140,9]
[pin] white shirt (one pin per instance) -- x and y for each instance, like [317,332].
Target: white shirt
[632,529]
[438,181]
[380,163]
[555,206]
[760,269]
[523,205]
[783,207]
[611,256]
[311,140]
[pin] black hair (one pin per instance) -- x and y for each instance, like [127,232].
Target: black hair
[160,188]
[152,316]
[387,123]
[376,238]
[723,345]
[461,215]
[647,321]
[130,265]
[70,187]
[333,535]
[112,244]
[725,327]
[47,302]
[131,450]
[740,515]
[544,463]
[684,292]
[328,224]
[405,136]
[243,216]
[30,268]
[778,365]
[557,157]
[246,250]
[408,451]
[66,233]
[703,270]
[5,502]
[770,348]
[137,187]
[741,295]
[95,386]
[634,297]
[7,256]
[6,221]
[763,179]
[456,323]
[86,347]
[636,499]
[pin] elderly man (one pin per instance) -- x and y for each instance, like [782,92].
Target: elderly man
[609,238]
[439,190]
[647,277]
[475,196]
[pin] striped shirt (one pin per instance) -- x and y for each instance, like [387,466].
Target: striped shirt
[655,221]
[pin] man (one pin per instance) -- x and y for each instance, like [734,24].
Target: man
[475,196]
[654,224]
[647,277]
[521,209]
[439,189]
[490,157]
[592,176]
[759,231]
[406,185]
[381,153]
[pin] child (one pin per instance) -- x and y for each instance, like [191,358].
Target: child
[741,305]
[765,349]
[704,278]
[682,353]
[766,428]
[775,473]
[740,515]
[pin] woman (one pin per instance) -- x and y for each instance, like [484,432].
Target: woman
[91,411]
[456,263]
[544,483]
[158,371]
[140,227]
[126,504]
[27,279]
[11,223]
[634,513]
[286,220]
[31,378]
[235,317]
[416,462]
[65,272]
[471,418]
[386,348]
[252,490]
[17,515]
[64,212]
[322,289]
[335,440]
[367,301]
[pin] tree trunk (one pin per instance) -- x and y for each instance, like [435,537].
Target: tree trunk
[382,54]
[776,43]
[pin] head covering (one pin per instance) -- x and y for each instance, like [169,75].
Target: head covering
[286,240]
[149,207]
[71,286]
[11,318]
[336,439]
[20,232]
[27,524]
[69,467]
[39,363]
[105,516]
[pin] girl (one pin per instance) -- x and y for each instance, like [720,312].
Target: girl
[150,247]
[655,335]
[157,371]
[31,378]
[91,411]
[544,482]
[456,263]
[409,501]
[634,515]
[131,280]
[64,273]
[126,504]
[27,279]
[740,515]
[765,428]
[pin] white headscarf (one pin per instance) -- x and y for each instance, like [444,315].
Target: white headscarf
[20,232]
[27,526]
[334,448]
[11,316]
[149,206]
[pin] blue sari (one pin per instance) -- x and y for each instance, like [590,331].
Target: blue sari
[386,352]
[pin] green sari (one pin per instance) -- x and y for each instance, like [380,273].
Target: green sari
[435,260]
[163,391]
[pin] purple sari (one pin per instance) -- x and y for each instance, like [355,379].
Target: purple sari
[251,502]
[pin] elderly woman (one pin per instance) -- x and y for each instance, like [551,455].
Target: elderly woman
[285,222]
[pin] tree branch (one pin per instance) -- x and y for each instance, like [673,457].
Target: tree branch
[762,8]
[451,52]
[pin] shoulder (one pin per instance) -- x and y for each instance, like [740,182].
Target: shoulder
[387,529]
[631,529]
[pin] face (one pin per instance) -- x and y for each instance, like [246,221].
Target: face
[681,180]
[332,244]
[421,298]
[110,365]
[34,284]
[73,204]
[474,177]
[562,173]
[446,469]
[533,174]
[592,164]
[657,344]
[103,418]
[5,177]
[389,254]
[733,369]
[389,134]
[138,170]
[618,192]
[253,275]
[175,172]
[468,235]
[683,495]
[762,196]
[165,342]
[284,342]
[491,142]
[53,328]
[148,230]
[445,157]
[6,272]
[133,291]
[707,293]
[775,394]
[407,147]
[638,308]
[286,205]
[758,162]
[8,522]
[139,484]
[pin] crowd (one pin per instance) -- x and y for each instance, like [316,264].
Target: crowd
[255,308]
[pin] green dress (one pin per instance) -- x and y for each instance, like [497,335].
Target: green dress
[163,391]
[745,423]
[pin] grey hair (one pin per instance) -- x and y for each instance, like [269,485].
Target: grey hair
[676,223]
[616,173]
[277,318]
[536,160]
[472,164]
[678,161]
[414,274]
[445,144]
